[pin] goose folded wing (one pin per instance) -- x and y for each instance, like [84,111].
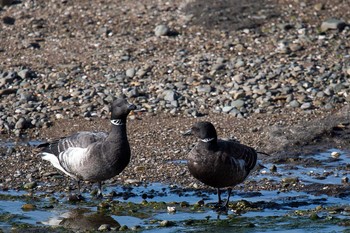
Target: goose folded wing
[247,154]
[78,140]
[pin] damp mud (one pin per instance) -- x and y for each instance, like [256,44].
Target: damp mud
[310,194]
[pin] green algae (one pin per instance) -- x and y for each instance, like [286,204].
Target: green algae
[7,217]
[242,215]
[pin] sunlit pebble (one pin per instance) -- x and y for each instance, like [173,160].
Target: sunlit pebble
[171,209]
[335,154]
[273,168]
[345,180]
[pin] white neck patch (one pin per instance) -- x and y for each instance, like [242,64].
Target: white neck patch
[207,139]
[117,122]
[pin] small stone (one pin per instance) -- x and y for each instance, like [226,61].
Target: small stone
[239,47]
[166,223]
[8,20]
[314,216]
[239,63]
[335,154]
[290,180]
[123,228]
[139,168]
[75,198]
[5,2]
[161,30]
[238,103]
[104,227]
[285,26]
[143,71]
[21,123]
[217,67]
[132,181]
[345,180]
[171,209]
[235,112]
[273,168]
[295,47]
[26,73]
[204,89]
[170,95]
[238,79]
[306,106]
[133,92]
[174,103]
[319,6]
[348,70]
[135,228]
[227,109]
[30,185]
[332,24]
[59,116]
[130,72]
[28,207]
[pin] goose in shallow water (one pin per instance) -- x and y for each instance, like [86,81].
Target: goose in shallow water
[93,156]
[219,163]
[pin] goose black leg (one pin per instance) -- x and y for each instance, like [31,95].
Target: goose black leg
[99,193]
[224,207]
[79,187]
[80,197]
[219,198]
[229,191]
[76,196]
[217,205]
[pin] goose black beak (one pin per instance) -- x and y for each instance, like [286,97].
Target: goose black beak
[132,107]
[260,166]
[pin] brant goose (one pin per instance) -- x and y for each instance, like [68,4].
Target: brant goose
[93,156]
[219,163]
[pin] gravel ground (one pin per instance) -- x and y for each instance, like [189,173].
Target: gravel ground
[275,75]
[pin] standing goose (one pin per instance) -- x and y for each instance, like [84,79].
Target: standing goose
[219,163]
[93,156]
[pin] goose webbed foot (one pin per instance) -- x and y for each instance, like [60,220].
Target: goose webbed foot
[75,197]
[222,209]
[223,206]
[99,194]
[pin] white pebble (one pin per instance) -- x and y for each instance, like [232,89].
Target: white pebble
[335,154]
[171,209]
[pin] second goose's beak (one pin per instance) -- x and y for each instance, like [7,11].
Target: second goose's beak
[132,107]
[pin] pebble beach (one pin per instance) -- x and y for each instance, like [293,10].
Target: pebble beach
[275,75]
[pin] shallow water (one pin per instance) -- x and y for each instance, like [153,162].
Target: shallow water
[144,207]
[326,172]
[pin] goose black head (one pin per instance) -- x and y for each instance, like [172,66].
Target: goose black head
[204,130]
[120,109]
